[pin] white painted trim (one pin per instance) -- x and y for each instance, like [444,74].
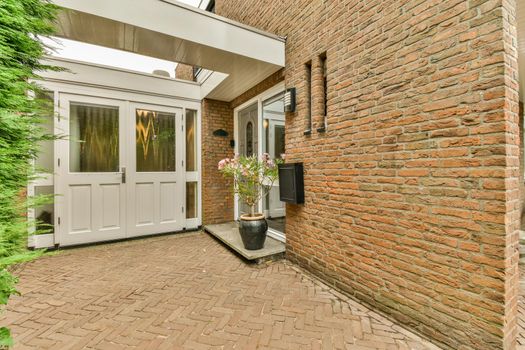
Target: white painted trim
[125,97]
[278,235]
[193,26]
[213,80]
[194,176]
[259,99]
[54,60]
[224,19]
[66,87]
[118,81]
[41,241]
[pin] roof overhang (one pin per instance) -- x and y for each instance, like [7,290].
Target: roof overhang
[173,31]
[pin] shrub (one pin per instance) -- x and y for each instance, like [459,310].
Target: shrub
[252,177]
[21,24]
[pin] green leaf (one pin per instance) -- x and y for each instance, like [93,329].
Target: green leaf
[6,341]
[22,22]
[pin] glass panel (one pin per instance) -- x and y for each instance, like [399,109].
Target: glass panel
[44,160]
[278,149]
[155,141]
[191,200]
[191,140]
[273,144]
[44,214]
[94,138]
[249,139]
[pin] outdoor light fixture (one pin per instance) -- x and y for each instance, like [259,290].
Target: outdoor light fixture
[289,100]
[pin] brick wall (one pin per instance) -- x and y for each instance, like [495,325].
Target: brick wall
[218,205]
[412,198]
[184,72]
[217,199]
[264,85]
[522,168]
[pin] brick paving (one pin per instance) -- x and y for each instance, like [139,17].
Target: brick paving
[521,310]
[186,292]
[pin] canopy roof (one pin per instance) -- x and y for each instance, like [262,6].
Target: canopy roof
[177,32]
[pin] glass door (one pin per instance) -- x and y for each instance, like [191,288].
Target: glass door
[274,132]
[90,163]
[248,141]
[156,172]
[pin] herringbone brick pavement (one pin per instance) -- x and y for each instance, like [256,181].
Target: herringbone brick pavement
[185,292]
[521,310]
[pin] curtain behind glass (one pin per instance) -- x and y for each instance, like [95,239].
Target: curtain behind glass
[155,141]
[94,138]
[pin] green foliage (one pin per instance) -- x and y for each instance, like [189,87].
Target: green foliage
[252,178]
[6,340]
[21,22]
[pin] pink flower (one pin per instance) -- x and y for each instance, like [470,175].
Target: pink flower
[265,157]
[223,163]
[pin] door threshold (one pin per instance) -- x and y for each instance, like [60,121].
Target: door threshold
[127,239]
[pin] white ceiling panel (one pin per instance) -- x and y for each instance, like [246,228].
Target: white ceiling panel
[177,32]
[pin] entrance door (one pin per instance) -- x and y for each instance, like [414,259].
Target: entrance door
[120,171]
[248,140]
[276,208]
[273,143]
[155,176]
[90,183]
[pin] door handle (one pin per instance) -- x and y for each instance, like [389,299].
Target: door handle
[123,174]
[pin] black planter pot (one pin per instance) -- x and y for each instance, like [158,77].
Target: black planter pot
[253,231]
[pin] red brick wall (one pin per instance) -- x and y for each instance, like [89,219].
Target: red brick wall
[412,198]
[264,85]
[218,205]
[184,72]
[522,168]
[217,199]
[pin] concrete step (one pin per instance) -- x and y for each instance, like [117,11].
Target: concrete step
[228,233]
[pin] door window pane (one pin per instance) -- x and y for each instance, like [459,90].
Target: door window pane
[155,141]
[191,200]
[44,160]
[278,149]
[94,138]
[44,214]
[249,139]
[191,140]
[273,144]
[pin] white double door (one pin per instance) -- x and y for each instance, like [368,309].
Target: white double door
[120,169]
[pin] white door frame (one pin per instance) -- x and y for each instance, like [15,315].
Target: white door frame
[125,96]
[280,211]
[259,99]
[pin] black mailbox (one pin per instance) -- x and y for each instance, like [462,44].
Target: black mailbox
[291,183]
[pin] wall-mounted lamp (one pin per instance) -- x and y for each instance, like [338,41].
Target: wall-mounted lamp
[289,100]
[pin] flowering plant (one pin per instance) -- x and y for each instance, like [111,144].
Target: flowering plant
[252,177]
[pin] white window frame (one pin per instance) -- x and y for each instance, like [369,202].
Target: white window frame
[162,98]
